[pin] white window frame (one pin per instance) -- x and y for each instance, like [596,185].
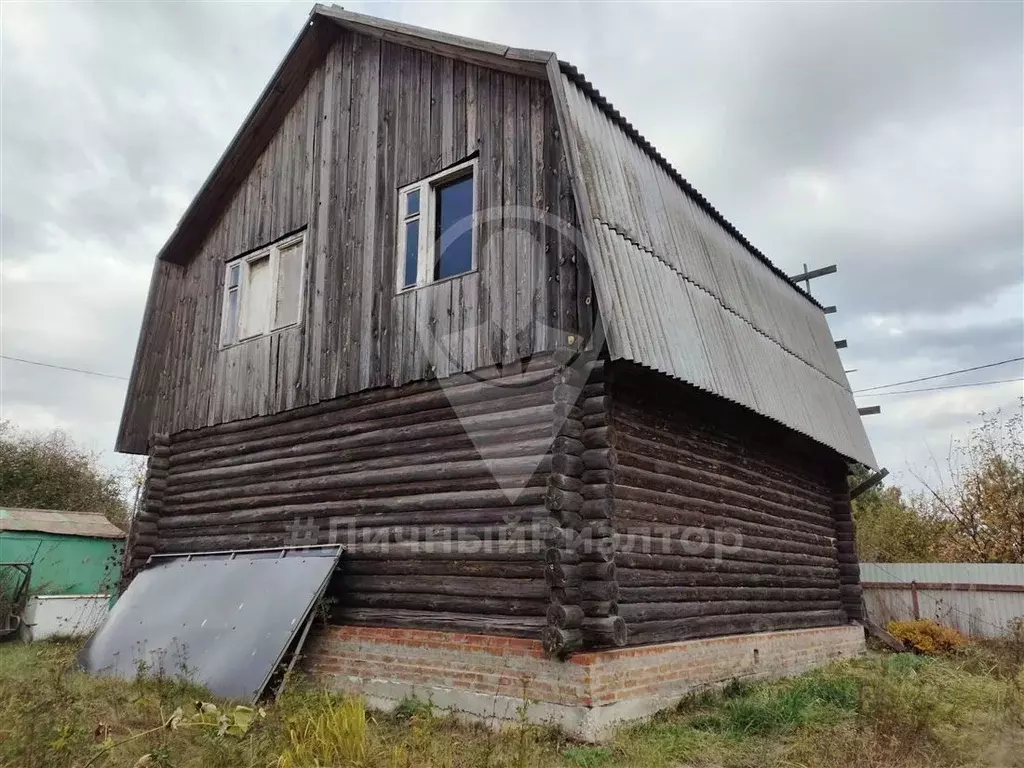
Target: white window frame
[273,251]
[425,250]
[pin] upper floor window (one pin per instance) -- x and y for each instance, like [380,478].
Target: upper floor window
[263,291]
[435,220]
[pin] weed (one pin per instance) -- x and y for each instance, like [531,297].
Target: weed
[927,636]
[332,734]
[588,757]
[411,707]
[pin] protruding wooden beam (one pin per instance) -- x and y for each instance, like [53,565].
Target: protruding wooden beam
[810,274]
[841,344]
[870,410]
[870,483]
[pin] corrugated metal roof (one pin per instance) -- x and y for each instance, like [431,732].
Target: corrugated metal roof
[57,522]
[681,291]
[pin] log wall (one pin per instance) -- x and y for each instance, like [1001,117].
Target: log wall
[372,117]
[724,523]
[439,496]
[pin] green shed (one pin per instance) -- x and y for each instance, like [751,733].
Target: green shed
[75,560]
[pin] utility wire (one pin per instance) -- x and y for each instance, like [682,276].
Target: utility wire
[63,368]
[945,386]
[938,375]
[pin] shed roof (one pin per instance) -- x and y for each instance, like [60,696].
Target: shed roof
[88,524]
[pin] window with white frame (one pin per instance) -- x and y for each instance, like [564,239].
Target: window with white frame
[436,227]
[263,291]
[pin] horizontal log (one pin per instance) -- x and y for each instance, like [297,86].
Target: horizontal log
[598,509]
[464,586]
[710,452]
[567,412]
[559,500]
[472,623]
[565,616]
[642,577]
[599,476]
[598,491]
[598,571]
[660,502]
[461,499]
[452,568]
[599,458]
[343,527]
[729,548]
[642,612]
[707,593]
[696,530]
[599,608]
[348,436]
[566,465]
[567,427]
[597,437]
[419,552]
[591,420]
[399,476]
[599,404]
[560,642]
[568,445]
[659,458]
[417,397]
[610,631]
[710,564]
[565,556]
[690,483]
[530,440]
[564,482]
[559,575]
[717,626]
[501,606]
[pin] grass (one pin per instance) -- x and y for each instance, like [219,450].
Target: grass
[881,711]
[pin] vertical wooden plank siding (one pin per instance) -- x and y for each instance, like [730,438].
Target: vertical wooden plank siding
[724,522]
[373,117]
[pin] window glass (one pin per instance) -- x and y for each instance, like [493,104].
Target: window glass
[231,321]
[289,273]
[233,276]
[257,297]
[454,228]
[412,245]
[412,203]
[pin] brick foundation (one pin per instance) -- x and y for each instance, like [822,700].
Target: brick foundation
[487,677]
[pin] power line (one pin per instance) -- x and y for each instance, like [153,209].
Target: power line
[63,368]
[946,386]
[938,375]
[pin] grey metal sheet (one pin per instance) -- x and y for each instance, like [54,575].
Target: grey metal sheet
[681,293]
[223,620]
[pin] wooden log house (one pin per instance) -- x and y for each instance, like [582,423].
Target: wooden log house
[440,290]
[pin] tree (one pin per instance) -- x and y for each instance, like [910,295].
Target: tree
[891,531]
[50,471]
[979,495]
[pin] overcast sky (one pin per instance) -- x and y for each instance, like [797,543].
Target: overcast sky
[886,138]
